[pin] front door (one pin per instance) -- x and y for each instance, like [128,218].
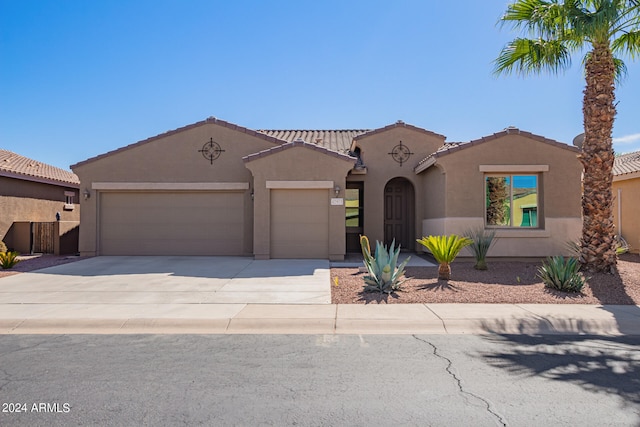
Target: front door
[399,207]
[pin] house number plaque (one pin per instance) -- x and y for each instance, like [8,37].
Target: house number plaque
[211,150]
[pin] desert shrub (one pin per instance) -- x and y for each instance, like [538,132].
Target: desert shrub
[562,274]
[8,259]
[483,240]
[3,247]
[385,276]
[445,249]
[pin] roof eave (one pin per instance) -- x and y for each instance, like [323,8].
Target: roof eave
[423,166]
[40,180]
[209,120]
[626,176]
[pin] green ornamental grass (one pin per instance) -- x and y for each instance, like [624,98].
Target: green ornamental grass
[483,240]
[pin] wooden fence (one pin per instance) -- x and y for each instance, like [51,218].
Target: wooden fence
[43,236]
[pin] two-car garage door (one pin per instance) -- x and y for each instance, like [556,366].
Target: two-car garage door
[171,223]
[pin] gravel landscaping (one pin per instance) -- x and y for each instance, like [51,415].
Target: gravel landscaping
[503,283]
[36,262]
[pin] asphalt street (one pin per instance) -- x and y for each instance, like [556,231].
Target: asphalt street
[319,380]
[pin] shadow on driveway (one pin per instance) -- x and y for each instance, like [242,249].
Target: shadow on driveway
[215,267]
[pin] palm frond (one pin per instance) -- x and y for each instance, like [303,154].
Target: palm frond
[627,43]
[538,17]
[527,56]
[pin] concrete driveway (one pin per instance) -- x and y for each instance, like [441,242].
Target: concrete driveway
[172,280]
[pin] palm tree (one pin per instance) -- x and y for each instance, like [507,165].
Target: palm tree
[445,249]
[601,30]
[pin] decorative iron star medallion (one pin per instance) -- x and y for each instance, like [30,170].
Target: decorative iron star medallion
[400,153]
[211,150]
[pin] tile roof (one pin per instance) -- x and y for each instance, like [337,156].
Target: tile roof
[400,123]
[626,163]
[335,140]
[298,143]
[16,166]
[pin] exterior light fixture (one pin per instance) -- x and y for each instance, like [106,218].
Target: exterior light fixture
[337,190]
[86,193]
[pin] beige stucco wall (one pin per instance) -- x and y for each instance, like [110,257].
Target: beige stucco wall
[381,168]
[30,201]
[552,240]
[434,181]
[627,201]
[559,194]
[172,158]
[296,168]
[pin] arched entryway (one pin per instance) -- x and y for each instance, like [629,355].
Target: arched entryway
[399,211]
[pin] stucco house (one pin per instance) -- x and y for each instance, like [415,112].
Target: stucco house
[31,194]
[626,190]
[216,188]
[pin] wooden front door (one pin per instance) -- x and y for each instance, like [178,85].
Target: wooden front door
[399,208]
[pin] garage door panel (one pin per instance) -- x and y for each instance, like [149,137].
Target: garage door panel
[299,223]
[180,223]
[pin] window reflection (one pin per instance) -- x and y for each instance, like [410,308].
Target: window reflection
[511,200]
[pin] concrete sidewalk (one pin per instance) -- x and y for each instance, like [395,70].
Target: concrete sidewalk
[236,295]
[318,319]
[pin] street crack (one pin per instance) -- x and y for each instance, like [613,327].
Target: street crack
[458,381]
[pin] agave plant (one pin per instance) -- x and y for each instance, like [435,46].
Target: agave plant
[562,274]
[483,240]
[445,249]
[385,276]
[8,259]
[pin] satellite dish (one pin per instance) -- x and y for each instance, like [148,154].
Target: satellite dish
[578,140]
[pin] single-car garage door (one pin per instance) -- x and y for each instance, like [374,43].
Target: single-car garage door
[171,223]
[299,223]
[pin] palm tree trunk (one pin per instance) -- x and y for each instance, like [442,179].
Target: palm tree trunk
[597,243]
[444,271]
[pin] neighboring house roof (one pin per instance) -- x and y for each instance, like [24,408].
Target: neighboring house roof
[449,148]
[627,165]
[13,165]
[182,129]
[297,143]
[336,140]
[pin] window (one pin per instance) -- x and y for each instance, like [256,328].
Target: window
[68,200]
[511,201]
[353,207]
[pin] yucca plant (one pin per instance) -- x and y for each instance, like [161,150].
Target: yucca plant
[483,240]
[445,249]
[385,276]
[562,274]
[8,259]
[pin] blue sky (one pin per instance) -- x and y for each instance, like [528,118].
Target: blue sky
[79,78]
